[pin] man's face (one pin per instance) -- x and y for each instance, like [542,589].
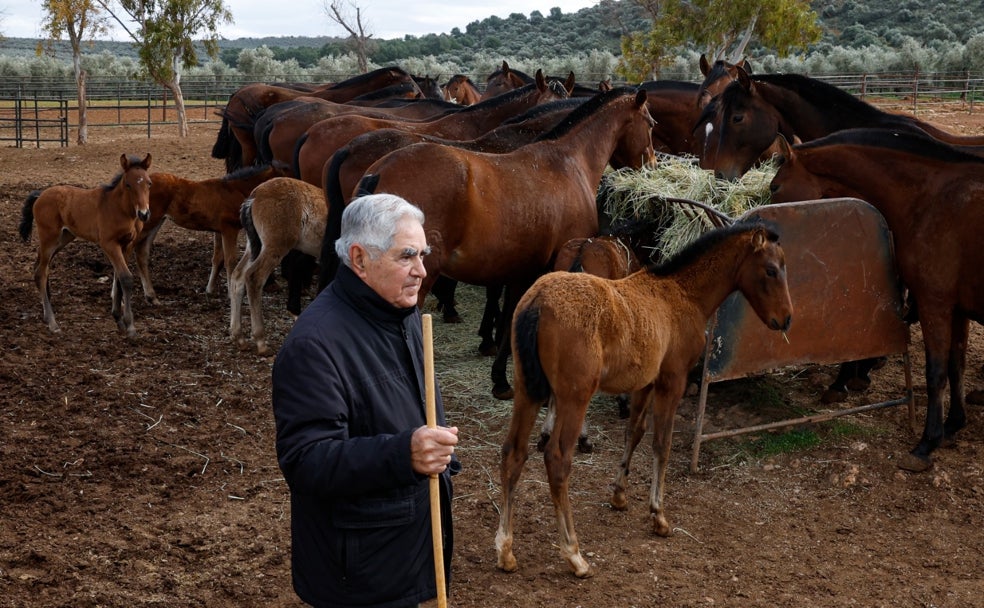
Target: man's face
[396,274]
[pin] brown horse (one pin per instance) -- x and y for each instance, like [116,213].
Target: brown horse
[460,89]
[575,334]
[717,77]
[932,197]
[211,205]
[235,143]
[110,216]
[280,215]
[499,219]
[741,124]
[327,136]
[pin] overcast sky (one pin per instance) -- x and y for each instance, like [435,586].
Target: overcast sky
[386,19]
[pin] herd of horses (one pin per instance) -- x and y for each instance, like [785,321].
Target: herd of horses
[508,177]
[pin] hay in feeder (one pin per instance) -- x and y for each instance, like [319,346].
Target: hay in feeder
[648,194]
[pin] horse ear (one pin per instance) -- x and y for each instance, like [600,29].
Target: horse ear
[124,161]
[569,83]
[743,78]
[505,67]
[145,163]
[759,238]
[745,65]
[704,66]
[641,97]
[781,149]
[541,81]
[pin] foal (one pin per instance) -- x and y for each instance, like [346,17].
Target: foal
[110,216]
[575,334]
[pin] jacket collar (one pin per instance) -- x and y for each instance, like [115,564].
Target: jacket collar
[366,300]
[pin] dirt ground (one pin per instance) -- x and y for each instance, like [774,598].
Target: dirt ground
[142,472]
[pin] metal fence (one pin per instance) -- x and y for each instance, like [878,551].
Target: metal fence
[35,111]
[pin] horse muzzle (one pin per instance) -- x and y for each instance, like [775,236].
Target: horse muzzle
[782,325]
[143,215]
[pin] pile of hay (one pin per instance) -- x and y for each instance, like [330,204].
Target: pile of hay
[643,194]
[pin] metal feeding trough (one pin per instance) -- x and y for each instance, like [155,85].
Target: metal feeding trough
[847,302]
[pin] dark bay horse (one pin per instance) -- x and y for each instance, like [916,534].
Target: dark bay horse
[110,216]
[741,124]
[461,90]
[575,334]
[280,215]
[932,197]
[717,77]
[327,136]
[235,143]
[499,219]
[210,205]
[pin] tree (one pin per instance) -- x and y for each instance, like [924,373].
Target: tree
[724,28]
[359,36]
[163,31]
[81,21]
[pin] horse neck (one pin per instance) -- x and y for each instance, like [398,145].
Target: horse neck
[594,139]
[802,116]
[712,277]
[486,119]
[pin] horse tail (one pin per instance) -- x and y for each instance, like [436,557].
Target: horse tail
[27,215]
[263,149]
[234,159]
[246,219]
[222,146]
[296,161]
[526,326]
[333,224]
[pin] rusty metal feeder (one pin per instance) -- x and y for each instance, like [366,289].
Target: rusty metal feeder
[847,301]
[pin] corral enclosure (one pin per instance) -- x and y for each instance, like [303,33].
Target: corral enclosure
[143,472]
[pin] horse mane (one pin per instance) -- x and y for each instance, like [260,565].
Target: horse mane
[368,76]
[387,92]
[461,77]
[668,85]
[909,142]
[133,159]
[814,91]
[245,172]
[538,110]
[704,243]
[498,100]
[588,108]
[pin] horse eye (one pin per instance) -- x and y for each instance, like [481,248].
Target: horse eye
[773,188]
[737,118]
[771,272]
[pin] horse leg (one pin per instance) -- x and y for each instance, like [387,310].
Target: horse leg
[122,290]
[42,270]
[837,391]
[229,250]
[584,445]
[300,269]
[256,275]
[635,428]
[500,385]
[663,408]
[558,458]
[443,290]
[236,289]
[956,418]
[515,451]
[936,340]
[490,317]
[213,275]
[142,255]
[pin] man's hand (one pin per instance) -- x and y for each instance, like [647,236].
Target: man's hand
[431,449]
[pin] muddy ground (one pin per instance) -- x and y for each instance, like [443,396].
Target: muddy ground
[142,472]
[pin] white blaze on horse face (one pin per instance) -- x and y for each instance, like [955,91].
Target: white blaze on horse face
[708,129]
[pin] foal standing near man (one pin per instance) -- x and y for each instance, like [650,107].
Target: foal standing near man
[348,398]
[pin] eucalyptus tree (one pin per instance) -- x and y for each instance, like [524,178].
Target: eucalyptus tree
[164,33]
[81,21]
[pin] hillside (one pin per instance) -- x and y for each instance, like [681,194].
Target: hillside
[852,23]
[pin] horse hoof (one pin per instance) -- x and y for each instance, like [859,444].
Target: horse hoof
[660,526]
[915,464]
[507,563]
[975,397]
[584,445]
[488,350]
[580,566]
[502,392]
[858,384]
[833,396]
[879,363]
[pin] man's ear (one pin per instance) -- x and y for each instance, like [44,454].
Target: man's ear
[359,257]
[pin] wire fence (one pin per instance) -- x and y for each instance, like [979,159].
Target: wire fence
[36,111]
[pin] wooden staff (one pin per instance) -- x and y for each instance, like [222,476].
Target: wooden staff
[435,484]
